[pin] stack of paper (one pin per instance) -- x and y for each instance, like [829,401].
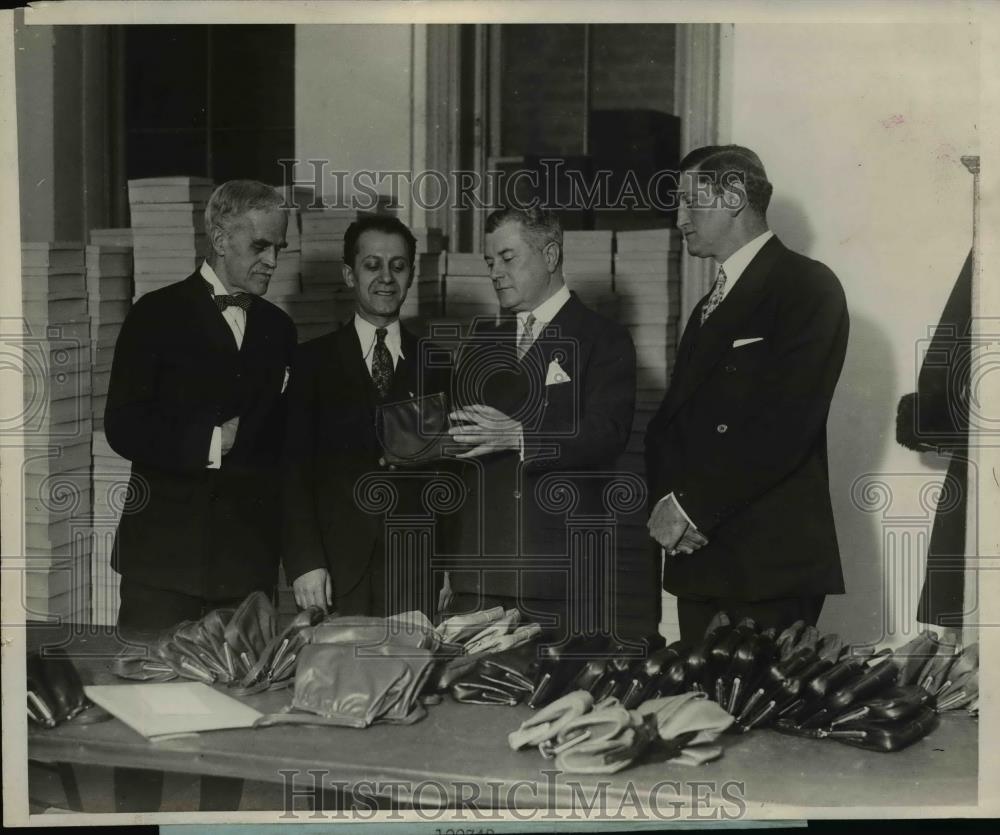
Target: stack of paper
[109,297]
[110,479]
[468,291]
[423,301]
[168,229]
[326,300]
[55,347]
[111,237]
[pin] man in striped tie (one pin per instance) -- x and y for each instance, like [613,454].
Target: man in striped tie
[736,455]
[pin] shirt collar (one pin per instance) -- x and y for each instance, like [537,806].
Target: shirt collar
[367,336]
[207,273]
[735,265]
[547,310]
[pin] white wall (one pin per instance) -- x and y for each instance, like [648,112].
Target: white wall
[861,128]
[353,87]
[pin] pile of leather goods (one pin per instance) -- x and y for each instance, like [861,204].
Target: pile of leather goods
[54,691]
[355,671]
[801,682]
[539,674]
[240,648]
[603,737]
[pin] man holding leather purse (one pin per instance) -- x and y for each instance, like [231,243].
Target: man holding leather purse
[334,547]
[544,402]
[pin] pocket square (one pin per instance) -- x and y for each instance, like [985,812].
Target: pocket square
[555,374]
[739,343]
[284,383]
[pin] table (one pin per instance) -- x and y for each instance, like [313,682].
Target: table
[459,752]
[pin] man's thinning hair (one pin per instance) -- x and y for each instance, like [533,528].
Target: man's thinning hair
[726,164]
[388,225]
[542,227]
[235,198]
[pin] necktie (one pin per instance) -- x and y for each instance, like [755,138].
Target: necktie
[242,301]
[716,298]
[527,336]
[381,363]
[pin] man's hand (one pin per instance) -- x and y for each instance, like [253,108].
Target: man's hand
[485,429]
[229,433]
[313,588]
[668,525]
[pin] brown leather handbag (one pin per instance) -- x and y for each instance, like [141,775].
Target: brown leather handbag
[414,431]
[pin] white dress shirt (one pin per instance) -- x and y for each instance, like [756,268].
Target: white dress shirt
[236,318]
[544,313]
[734,266]
[368,338]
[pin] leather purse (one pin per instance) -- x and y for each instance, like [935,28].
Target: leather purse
[54,691]
[414,431]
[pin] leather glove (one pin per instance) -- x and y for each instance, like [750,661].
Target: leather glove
[690,724]
[374,635]
[913,656]
[547,722]
[749,661]
[54,692]
[559,665]
[460,628]
[492,683]
[602,741]
[933,674]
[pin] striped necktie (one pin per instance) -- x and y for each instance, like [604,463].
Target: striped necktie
[527,336]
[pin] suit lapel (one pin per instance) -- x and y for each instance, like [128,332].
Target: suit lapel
[353,362]
[715,337]
[207,315]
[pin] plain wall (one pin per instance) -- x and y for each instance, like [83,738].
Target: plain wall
[353,92]
[861,128]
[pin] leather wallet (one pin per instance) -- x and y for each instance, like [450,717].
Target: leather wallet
[414,431]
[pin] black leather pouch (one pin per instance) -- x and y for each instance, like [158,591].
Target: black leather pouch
[414,431]
[54,691]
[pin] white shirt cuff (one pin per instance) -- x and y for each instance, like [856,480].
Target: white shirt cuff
[215,449]
[520,444]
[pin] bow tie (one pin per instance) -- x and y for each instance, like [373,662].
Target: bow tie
[242,301]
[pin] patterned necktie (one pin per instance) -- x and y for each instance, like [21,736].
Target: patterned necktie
[242,301]
[527,336]
[381,364]
[716,298]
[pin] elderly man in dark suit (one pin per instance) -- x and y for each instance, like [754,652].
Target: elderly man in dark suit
[736,456]
[335,547]
[196,403]
[544,404]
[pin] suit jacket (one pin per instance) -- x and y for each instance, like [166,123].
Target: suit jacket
[937,417]
[176,375]
[740,437]
[573,431]
[330,443]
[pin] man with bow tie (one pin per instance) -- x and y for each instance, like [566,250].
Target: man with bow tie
[334,547]
[544,404]
[736,456]
[196,403]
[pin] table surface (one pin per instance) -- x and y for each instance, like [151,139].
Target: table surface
[468,744]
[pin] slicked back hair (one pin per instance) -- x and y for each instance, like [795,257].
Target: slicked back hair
[726,163]
[542,227]
[387,224]
[235,198]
